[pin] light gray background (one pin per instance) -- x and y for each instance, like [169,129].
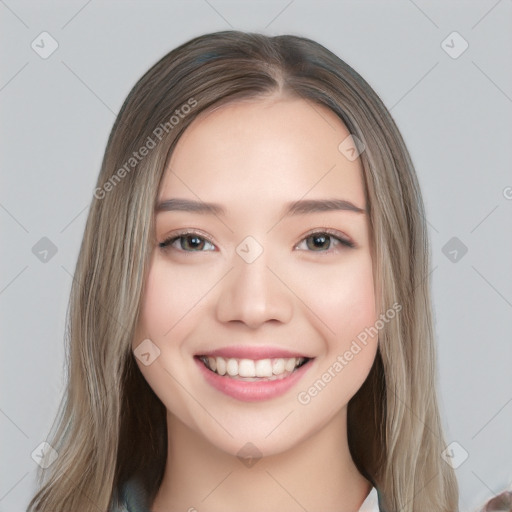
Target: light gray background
[455,116]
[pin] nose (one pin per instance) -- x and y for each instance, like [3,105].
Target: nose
[252,293]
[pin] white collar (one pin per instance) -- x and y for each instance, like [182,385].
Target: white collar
[371,503]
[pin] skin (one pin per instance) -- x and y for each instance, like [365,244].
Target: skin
[252,157]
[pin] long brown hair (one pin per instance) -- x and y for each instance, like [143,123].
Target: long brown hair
[111,425]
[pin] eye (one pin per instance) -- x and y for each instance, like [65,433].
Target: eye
[189,241]
[322,241]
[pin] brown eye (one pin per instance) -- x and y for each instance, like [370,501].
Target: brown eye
[320,241]
[323,241]
[188,242]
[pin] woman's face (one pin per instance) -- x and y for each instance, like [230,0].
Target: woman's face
[257,286]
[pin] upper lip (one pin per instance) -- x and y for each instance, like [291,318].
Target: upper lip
[247,352]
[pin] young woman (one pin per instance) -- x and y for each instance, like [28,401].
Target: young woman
[250,321]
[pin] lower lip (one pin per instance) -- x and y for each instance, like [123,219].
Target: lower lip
[250,391]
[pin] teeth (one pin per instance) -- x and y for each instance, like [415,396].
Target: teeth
[278,366]
[221,365]
[232,367]
[246,368]
[252,368]
[263,368]
[289,364]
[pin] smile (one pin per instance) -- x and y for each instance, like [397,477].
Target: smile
[253,370]
[252,379]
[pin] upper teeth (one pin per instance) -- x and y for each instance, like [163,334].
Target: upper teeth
[252,368]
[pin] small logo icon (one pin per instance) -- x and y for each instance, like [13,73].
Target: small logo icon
[249,455]
[44,250]
[146,352]
[454,454]
[44,45]
[249,249]
[44,455]
[351,147]
[454,249]
[454,45]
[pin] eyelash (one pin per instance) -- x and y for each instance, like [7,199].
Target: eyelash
[166,244]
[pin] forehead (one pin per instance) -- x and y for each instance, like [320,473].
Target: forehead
[259,149]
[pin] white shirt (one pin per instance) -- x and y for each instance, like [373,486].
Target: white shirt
[133,498]
[371,503]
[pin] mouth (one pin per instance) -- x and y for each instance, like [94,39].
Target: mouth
[253,380]
[253,370]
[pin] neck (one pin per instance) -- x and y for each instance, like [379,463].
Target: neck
[317,474]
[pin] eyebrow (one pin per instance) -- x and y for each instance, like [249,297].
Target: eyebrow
[301,207]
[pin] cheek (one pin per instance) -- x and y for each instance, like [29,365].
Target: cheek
[158,305]
[345,304]
[351,307]
[172,298]
[341,297]
[170,301]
